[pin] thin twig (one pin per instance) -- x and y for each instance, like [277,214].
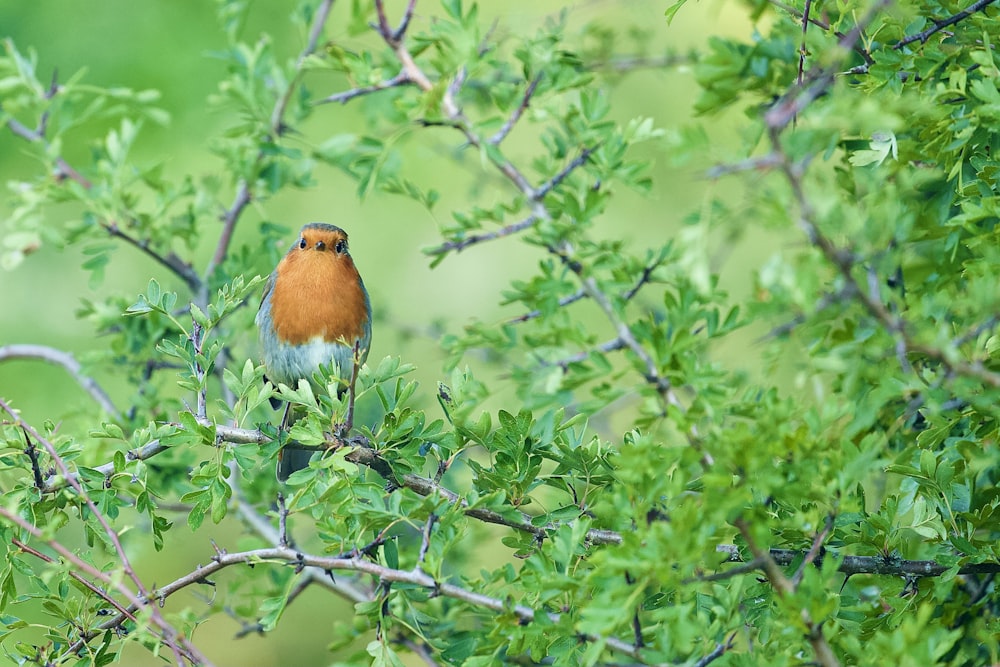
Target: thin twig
[517,113]
[577,162]
[473,239]
[182,648]
[100,592]
[346,96]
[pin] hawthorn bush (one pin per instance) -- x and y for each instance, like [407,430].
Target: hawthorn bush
[590,482]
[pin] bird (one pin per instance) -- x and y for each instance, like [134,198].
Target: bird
[315,310]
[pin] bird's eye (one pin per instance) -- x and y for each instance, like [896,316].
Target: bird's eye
[320,245]
[302,243]
[341,247]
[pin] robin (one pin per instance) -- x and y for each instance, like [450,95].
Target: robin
[315,310]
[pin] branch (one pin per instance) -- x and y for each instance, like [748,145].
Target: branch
[783,586]
[231,216]
[68,362]
[182,648]
[631,63]
[37,136]
[177,642]
[628,295]
[552,183]
[415,577]
[171,260]
[818,81]
[823,25]
[651,373]
[875,565]
[343,98]
[518,112]
[608,346]
[462,244]
[94,588]
[923,36]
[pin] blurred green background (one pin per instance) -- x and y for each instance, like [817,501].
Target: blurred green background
[168,46]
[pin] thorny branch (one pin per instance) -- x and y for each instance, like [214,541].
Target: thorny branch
[938,26]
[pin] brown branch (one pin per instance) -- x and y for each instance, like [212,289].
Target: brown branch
[32,452]
[608,346]
[803,51]
[924,35]
[171,261]
[823,25]
[552,183]
[651,373]
[623,64]
[818,81]
[814,550]
[69,363]
[628,295]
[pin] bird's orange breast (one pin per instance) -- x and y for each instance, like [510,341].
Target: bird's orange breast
[318,294]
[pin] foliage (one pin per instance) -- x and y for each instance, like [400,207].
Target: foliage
[857,475]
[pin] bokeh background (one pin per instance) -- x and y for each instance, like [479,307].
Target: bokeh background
[168,45]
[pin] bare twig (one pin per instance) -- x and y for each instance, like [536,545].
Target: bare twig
[94,588]
[803,51]
[623,64]
[608,346]
[818,80]
[628,295]
[171,260]
[425,542]
[68,362]
[762,163]
[414,577]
